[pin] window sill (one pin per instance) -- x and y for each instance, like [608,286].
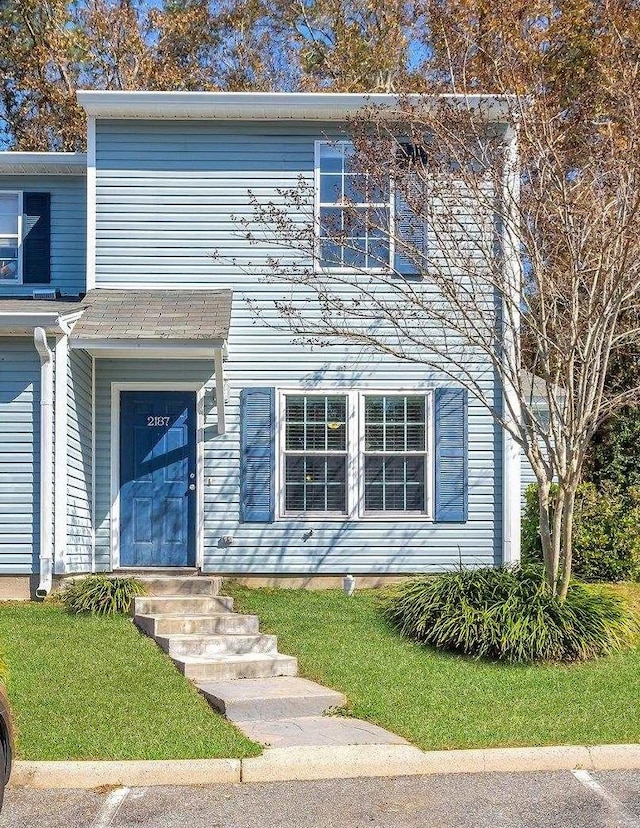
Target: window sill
[374,271]
[394,517]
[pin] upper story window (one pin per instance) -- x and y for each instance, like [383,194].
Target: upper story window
[353,213]
[10,235]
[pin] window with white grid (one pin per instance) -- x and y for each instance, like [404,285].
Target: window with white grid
[10,210]
[353,213]
[315,453]
[395,454]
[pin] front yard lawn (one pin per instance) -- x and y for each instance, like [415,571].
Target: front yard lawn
[438,700]
[95,688]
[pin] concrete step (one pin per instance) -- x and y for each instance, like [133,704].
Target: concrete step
[258,665]
[217,645]
[317,730]
[183,605]
[215,624]
[265,699]
[180,585]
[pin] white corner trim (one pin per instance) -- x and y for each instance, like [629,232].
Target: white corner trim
[93,463]
[511,456]
[61,350]
[511,509]
[91,203]
[114,512]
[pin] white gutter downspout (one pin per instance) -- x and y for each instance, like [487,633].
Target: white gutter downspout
[46,461]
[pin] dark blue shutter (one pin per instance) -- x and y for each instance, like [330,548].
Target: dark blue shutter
[410,238]
[36,238]
[257,422]
[451,455]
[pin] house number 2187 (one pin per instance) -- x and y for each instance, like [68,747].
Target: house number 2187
[157,421]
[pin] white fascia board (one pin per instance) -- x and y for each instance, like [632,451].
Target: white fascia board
[148,349]
[43,163]
[265,106]
[33,320]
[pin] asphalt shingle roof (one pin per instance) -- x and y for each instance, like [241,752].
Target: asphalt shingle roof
[155,314]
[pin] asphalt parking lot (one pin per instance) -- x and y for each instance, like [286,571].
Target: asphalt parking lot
[523,800]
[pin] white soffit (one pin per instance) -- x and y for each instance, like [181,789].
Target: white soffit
[42,163]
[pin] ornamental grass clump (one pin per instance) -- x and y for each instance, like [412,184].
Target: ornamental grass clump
[101,595]
[509,614]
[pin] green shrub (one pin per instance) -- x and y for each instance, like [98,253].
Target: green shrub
[101,595]
[614,454]
[606,532]
[509,614]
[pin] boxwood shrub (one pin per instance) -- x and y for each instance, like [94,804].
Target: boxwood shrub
[606,532]
[509,614]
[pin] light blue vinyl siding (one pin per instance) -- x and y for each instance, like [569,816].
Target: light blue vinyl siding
[79,462]
[19,455]
[165,195]
[68,229]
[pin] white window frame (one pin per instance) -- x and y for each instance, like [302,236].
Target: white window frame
[318,266]
[355,399]
[19,275]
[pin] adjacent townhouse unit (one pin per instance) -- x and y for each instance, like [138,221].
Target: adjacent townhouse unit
[149,418]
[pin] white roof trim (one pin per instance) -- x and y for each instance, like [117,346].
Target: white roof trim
[39,163]
[265,106]
[149,348]
[34,319]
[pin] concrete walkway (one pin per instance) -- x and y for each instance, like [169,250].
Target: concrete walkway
[240,671]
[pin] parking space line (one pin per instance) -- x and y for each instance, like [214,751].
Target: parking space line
[110,808]
[626,820]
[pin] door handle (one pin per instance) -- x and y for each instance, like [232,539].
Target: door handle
[192,487]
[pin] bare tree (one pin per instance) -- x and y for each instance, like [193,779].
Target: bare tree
[495,234]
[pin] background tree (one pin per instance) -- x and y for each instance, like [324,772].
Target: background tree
[51,48]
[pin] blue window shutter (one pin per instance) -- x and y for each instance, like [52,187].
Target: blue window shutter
[451,455]
[410,236]
[257,447]
[36,238]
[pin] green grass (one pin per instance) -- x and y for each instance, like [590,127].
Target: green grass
[85,687]
[438,700]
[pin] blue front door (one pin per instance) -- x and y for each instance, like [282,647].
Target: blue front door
[157,478]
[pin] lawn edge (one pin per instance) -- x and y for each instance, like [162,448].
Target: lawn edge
[330,762]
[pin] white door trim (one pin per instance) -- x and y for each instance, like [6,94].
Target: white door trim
[114,523]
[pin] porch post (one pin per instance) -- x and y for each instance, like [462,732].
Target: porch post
[218,363]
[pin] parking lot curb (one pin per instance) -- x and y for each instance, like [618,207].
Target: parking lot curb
[344,762]
[324,762]
[132,774]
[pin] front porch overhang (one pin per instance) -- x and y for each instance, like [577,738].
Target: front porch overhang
[20,323]
[157,325]
[215,349]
